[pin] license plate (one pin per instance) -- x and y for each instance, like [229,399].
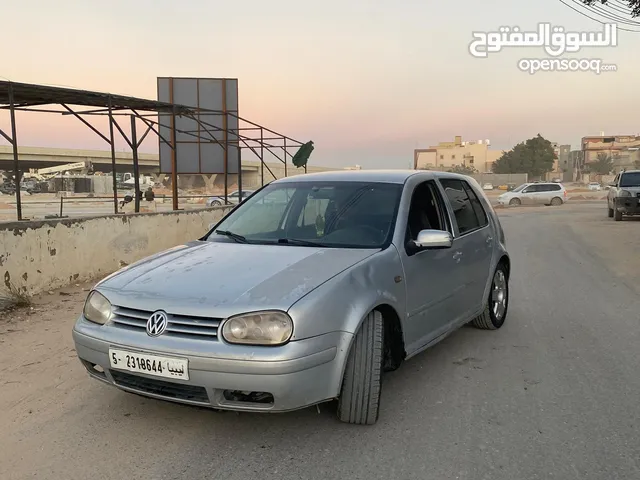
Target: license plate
[155,365]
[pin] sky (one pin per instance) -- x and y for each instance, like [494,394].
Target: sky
[367,81]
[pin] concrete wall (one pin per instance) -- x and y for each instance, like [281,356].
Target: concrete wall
[39,256]
[497,179]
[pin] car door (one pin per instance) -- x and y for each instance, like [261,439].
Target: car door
[233,197]
[529,195]
[473,243]
[613,191]
[433,282]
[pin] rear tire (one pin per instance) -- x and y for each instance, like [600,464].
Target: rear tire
[359,401]
[617,215]
[556,201]
[515,202]
[610,212]
[495,312]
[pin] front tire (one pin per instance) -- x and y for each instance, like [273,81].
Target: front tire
[515,202]
[359,401]
[610,212]
[617,216]
[495,312]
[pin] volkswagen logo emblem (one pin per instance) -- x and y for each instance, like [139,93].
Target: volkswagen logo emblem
[157,324]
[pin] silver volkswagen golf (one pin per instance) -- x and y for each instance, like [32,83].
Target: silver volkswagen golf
[305,293]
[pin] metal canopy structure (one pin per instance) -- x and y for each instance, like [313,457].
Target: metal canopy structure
[246,134]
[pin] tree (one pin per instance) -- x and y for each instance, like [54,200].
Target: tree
[534,157]
[634,6]
[463,169]
[602,165]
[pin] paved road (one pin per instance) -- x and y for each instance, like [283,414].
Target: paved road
[554,394]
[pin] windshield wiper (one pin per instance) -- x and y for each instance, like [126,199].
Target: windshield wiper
[297,241]
[235,236]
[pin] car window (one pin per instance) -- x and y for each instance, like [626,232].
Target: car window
[631,179]
[531,189]
[520,188]
[266,214]
[331,214]
[481,214]
[466,216]
[314,212]
[233,194]
[426,212]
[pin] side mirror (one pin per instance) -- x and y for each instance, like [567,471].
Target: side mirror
[433,239]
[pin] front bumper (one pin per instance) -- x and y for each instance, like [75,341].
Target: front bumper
[296,375]
[628,205]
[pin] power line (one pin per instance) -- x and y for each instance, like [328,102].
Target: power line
[613,17]
[603,11]
[591,18]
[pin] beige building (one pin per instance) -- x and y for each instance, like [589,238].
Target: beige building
[445,155]
[623,149]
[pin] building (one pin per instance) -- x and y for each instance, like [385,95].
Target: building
[445,155]
[562,167]
[623,149]
[577,164]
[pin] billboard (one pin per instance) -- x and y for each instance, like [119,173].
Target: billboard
[208,142]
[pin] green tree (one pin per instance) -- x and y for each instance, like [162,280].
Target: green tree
[463,169]
[602,165]
[634,6]
[534,157]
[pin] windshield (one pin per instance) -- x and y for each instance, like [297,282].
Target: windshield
[520,188]
[630,179]
[328,214]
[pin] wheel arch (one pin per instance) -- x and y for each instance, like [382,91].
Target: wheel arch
[394,347]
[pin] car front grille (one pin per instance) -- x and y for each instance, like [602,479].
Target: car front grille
[177,325]
[177,391]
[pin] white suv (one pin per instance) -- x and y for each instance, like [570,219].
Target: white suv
[543,193]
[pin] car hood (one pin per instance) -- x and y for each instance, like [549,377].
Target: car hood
[635,189]
[221,279]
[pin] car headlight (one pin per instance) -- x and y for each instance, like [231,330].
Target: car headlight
[97,308]
[258,328]
[624,193]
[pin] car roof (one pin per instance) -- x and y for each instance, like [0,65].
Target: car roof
[630,171]
[377,176]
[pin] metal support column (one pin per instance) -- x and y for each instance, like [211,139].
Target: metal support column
[262,155]
[225,139]
[136,166]
[113,159]
[174,162]
[16,162]
[285,156]
[239,174]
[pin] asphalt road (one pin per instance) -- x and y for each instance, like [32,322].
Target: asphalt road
[554,394]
